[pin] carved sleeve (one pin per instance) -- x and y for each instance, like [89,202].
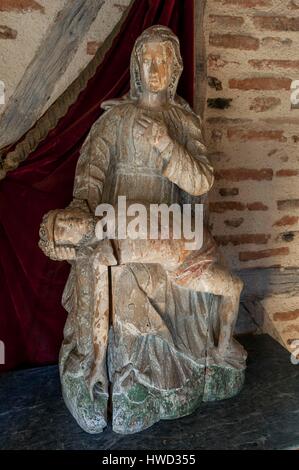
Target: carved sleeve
[187,165]
[93,162]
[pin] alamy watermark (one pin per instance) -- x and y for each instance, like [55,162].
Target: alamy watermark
[153,221]
[295,92]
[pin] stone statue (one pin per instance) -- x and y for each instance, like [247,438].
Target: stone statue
[149,333]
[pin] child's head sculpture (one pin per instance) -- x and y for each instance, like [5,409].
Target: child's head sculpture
[156,63]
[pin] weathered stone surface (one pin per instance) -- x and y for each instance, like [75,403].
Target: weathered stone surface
[163,339]
[7,33]
[90,413]
[184,368]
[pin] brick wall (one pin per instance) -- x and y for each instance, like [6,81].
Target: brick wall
[251,130]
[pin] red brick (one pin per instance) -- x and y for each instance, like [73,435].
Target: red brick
[92,47]
[247,3]
[226,206]
[7,33]
[234,41]
[252,255]
[236,222]
[288,204]
[277,23]
[271,41]
[228,192]
[224,121]
[215,61]
[257,206]
[274,63]
[282,120]
[286,316]
[287,172]
[226,20]
[242,174]
[287,220]
[243,239]
[20,5]
[260,83]
[261,104]
[255,135]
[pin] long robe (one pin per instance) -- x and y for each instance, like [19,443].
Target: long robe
[160,334]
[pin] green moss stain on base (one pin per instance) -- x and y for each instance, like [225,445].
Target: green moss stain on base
[140,407]
[222,382]
[90,414]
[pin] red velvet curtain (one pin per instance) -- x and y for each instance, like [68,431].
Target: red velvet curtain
[31,285]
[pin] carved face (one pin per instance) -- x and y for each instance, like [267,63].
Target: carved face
[156,66]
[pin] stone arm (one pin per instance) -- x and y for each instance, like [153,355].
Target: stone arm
[65,230]
[186,163]
[94,160]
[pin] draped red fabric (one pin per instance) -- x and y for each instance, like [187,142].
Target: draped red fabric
[31,285]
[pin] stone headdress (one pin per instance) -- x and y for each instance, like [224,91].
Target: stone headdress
[155,33]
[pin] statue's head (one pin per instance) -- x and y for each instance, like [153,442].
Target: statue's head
[156,63]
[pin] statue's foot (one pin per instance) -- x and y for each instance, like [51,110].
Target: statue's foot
[223,350]
[90,414]
[232,348]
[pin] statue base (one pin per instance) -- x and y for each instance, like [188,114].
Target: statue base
[141,407]
[162,358]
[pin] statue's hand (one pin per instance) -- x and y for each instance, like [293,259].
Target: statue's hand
[63,230]
[155,132]
[72,227]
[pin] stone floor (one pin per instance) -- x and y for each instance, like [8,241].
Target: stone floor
[265,415]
